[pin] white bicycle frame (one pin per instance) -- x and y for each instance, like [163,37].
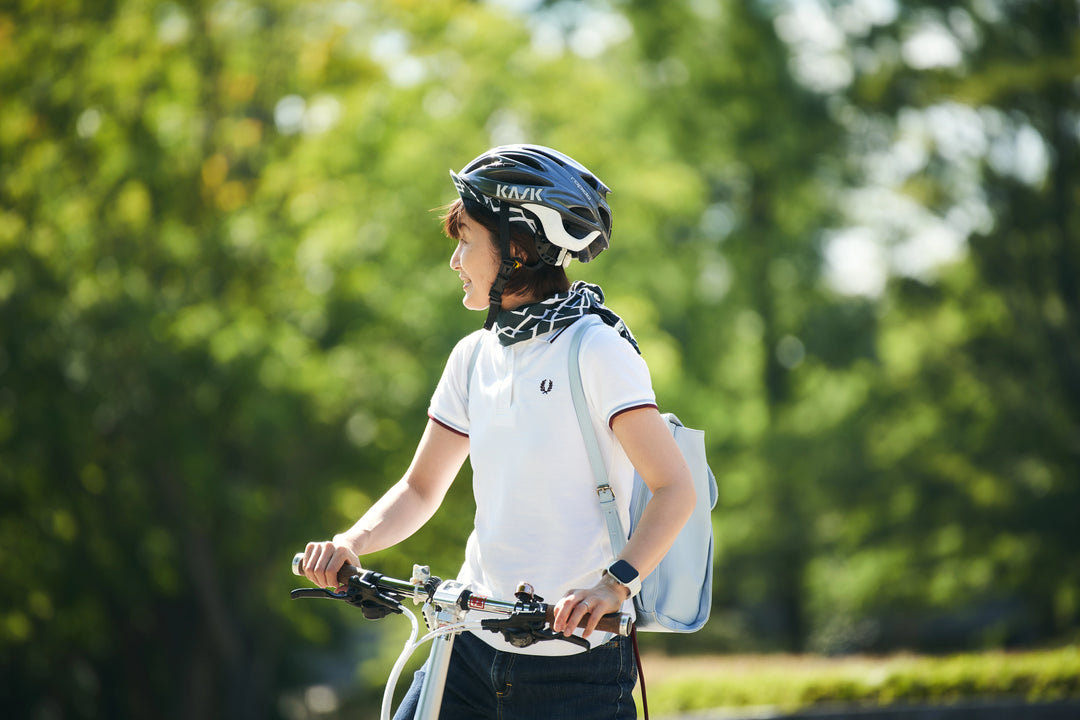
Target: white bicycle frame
[445,619]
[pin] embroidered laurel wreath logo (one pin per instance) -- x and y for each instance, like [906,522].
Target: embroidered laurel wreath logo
[546,385]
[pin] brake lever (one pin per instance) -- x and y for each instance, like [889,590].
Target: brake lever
[546,634]
[361,593]
[365,595]
[524,630]
[315,593]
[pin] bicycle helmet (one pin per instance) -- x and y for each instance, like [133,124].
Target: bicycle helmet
[566,202]
[561,202]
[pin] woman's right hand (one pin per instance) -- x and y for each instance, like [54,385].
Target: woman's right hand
[322,560]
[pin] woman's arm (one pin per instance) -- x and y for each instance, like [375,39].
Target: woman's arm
[645,437]
[649,445]
[400,512]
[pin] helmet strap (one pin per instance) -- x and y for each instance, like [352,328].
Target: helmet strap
[507,265]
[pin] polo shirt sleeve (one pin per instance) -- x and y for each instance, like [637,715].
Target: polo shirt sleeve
[450,402]
[615,378]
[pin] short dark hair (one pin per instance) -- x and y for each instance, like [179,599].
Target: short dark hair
[535,277]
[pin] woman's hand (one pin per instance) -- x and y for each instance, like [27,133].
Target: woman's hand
[322,560]
[605,597]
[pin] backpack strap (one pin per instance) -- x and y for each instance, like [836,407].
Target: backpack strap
[592,447]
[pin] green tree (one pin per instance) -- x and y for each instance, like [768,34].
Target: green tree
[224,305]
[956,509]
[760,147]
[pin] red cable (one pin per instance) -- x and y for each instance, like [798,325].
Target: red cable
[640,674]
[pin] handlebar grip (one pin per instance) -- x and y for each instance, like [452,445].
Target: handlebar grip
[346,571]
[618,623]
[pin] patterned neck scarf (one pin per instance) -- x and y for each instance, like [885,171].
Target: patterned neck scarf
[558,311]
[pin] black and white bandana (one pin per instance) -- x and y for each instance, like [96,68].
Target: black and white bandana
[558,311]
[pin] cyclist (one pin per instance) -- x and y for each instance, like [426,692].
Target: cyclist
[523,212]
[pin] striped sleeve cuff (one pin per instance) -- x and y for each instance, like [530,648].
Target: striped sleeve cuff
[628,408]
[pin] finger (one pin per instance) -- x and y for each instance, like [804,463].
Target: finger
[323,562]
[600,603]
[581,609]
[595,616]
[311,559]
[333,560]
[311,567]
[305,564]
[342,556]
[564,612]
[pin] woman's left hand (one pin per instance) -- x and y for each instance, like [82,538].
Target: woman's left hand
[605,597]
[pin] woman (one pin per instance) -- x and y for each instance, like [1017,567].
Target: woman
[504,402]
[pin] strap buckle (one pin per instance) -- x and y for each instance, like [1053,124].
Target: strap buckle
[605,493]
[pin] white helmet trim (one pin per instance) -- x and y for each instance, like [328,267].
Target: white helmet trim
[554,230]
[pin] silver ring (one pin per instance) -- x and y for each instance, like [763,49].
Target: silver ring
[586,604]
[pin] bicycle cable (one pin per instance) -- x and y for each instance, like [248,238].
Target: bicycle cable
[399,665]
[410,647]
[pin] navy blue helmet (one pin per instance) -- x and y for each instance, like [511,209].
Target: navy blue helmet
[559,199]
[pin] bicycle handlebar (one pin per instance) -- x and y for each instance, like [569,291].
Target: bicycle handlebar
[617,623]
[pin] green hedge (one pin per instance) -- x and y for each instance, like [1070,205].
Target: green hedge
[794,683]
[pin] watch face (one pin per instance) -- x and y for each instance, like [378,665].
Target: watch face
[623,571]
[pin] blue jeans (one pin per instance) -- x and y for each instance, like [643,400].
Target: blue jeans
[484,683]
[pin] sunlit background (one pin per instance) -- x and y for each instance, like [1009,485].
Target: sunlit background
[845,235]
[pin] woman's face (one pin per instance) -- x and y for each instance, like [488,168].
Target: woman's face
[476,262]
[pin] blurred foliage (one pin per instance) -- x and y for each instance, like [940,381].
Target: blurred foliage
[809,685]
[224,303]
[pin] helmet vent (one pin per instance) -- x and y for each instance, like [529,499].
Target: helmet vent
[605,218]
[526,160]
[581,212]
[518,177]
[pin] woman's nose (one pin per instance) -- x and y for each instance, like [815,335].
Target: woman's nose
[455,258]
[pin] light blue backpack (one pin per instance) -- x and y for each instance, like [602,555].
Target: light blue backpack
[677,595]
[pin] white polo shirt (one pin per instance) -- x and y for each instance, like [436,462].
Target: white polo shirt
[538,518]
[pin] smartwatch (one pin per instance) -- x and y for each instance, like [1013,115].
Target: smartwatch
[625,574]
